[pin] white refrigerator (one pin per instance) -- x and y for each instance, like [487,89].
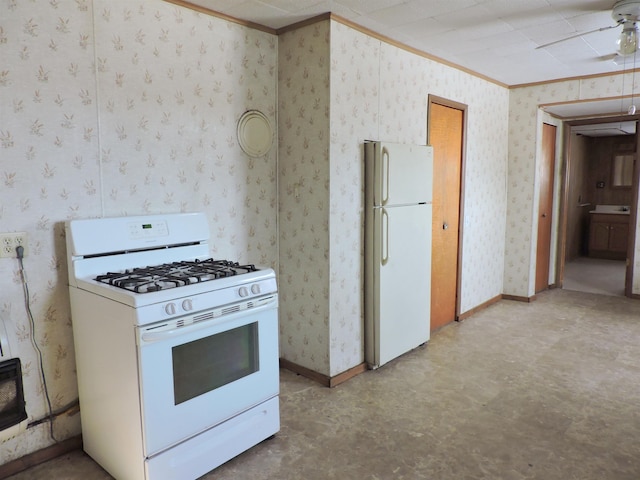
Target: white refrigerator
[398,195]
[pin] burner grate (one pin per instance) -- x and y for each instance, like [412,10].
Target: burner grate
[172,275]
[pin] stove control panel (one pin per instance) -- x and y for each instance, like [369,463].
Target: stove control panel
[151,229]
[218,298]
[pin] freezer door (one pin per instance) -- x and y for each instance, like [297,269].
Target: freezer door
[401,174]
[399,288]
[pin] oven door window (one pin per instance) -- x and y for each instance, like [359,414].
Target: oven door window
[209,363]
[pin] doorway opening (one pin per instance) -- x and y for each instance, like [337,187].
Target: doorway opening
[599,210]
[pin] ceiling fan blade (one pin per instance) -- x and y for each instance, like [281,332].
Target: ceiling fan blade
[578,35]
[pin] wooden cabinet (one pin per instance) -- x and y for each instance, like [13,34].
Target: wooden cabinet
[608,236]
[618,237]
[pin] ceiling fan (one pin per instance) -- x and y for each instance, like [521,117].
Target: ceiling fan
[625,13]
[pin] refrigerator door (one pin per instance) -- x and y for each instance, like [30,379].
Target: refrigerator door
[401,174]
[398,306]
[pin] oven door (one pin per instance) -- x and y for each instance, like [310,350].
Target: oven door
[197,376]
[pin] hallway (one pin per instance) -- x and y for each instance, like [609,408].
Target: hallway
[543,390]
[595,275]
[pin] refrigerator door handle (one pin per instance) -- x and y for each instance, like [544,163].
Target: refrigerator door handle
[384,248]
[385,176]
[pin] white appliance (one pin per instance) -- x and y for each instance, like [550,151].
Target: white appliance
[176,353]
[398,195]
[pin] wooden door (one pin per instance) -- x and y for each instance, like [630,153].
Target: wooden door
[446,125]
[545,207]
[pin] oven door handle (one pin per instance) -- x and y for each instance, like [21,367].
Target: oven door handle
[151,337]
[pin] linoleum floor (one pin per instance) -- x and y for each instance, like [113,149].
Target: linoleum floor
[542,390]
[595,275]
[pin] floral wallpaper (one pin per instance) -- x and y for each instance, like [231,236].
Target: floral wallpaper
[405,81]
[113,107]
[303,127]
[376,91]
[355,97]
[525,123]
[50,172]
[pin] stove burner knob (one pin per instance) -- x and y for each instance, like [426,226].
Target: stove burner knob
[243,292]
[170,308]
[187,305]
[255,288]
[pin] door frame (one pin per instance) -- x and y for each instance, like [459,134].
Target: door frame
[550,166]
[434,99]
[564,196]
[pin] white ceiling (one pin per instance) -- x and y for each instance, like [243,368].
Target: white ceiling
[606,129]
[494,38]
[596,108]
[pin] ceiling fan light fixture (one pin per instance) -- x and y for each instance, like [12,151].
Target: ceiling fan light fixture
[628,40]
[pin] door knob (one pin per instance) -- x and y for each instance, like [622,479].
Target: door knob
[445,226]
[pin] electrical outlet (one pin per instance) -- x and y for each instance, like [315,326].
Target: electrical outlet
[9,242]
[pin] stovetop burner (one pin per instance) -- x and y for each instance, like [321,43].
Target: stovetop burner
[172,275]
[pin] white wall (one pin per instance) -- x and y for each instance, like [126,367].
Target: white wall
[303,128]
[402,82]
[377,92]
[127,107]
[525,119]
[120,107]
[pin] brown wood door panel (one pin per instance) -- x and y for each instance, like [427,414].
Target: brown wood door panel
[618,237]
[599,238]
[445,135]
[545,206]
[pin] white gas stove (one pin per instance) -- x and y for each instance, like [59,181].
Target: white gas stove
[176,352]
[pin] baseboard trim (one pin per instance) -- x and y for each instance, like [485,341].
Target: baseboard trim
[347,375]
[482,306]
[325,380]
[36,458]
[518,298]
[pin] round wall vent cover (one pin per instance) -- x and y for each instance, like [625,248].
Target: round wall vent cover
[255,135]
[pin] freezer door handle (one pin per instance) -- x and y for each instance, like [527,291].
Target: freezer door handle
[384,235]
[385,176]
